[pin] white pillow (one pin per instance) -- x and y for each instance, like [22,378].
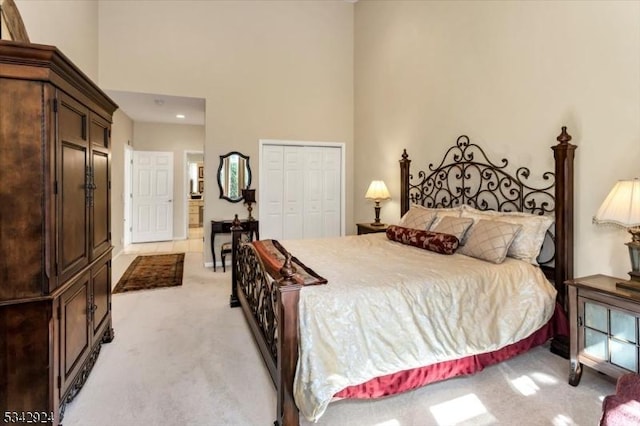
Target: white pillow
[418,217]
[528,242]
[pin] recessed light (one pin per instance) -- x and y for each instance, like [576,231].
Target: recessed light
[179,115]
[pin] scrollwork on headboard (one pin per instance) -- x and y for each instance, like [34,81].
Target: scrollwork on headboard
[467,176]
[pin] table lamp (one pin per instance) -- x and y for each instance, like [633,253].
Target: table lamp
[249,196]
[622,208]
[377,191]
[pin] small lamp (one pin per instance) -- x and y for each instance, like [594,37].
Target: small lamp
[249,196]
[377,191]
[622,208]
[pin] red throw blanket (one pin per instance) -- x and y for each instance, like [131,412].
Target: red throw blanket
[273,256]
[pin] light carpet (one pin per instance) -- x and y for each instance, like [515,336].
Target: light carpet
[181,356]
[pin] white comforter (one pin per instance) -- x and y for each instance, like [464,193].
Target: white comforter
[390,307]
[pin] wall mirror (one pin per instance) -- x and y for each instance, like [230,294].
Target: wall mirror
[234,175]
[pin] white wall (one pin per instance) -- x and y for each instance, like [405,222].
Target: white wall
[176,138]
[71,26]
[267,69]
[509,75]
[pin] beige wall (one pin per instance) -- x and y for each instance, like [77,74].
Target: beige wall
[267,69]
[176,138]
[121,137]
[72,26]
[509,75]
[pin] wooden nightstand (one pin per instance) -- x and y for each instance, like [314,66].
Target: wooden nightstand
[604,327]
[368,228]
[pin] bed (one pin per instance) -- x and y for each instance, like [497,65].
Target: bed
[329,329]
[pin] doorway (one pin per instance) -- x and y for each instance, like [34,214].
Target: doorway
[194,201]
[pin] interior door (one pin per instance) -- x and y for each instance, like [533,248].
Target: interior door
[331,192]
[293,197]
[300,191]
[271,192]
[152,196]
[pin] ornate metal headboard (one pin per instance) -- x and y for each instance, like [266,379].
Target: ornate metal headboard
[467,176]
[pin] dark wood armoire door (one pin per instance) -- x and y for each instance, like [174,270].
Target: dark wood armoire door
[75,324]
[100,195]
[72,179]
[101,283]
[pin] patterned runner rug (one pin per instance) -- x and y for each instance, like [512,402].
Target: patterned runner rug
[148,272]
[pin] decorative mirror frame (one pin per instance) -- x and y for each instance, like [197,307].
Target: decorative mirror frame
[248,167]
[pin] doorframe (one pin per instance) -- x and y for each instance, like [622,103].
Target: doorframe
[186,190]
[128,194]
[343,174]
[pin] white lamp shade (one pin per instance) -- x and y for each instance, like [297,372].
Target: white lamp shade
[377,191]
[622,205]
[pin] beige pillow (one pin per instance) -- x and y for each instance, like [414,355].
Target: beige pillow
[528,242]
[453,225]
[490,240]
[445,212]
[418,217]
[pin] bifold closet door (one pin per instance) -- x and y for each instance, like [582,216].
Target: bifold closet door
[321,192]
[300,192]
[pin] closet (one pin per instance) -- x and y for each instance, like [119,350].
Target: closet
[55,233]
[301,191]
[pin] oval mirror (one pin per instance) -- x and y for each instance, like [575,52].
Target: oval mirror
[234,175]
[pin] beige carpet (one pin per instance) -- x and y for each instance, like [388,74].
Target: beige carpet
[181,356]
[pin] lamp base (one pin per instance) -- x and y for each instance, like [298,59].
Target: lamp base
[632,284]
[377,224]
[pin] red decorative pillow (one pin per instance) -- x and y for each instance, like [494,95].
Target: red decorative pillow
[428,240]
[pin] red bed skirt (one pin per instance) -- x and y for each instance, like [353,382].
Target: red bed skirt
[411,379]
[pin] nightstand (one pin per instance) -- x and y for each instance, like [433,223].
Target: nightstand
[368,228]
[603,324]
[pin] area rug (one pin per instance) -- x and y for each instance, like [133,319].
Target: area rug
[148,272]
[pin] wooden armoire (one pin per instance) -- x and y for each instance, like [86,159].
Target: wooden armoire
[55,238]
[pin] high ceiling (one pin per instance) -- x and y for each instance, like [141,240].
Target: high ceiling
[153,108]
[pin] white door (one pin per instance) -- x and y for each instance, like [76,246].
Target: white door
[271,192]
[331,192]
[152,196]
[301,191]
[313,193]
[293,195]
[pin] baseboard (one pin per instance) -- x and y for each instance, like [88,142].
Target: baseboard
[115,256]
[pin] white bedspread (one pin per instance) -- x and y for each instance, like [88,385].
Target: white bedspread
[390,307]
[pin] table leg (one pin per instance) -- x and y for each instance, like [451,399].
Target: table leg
[213,250]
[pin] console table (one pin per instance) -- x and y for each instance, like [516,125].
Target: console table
[224,227]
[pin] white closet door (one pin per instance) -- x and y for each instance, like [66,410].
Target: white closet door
[300,191]
[272,192]
[313,192]
[293,212]
[331,193]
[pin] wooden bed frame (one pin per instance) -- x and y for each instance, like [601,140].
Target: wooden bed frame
[464,176]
